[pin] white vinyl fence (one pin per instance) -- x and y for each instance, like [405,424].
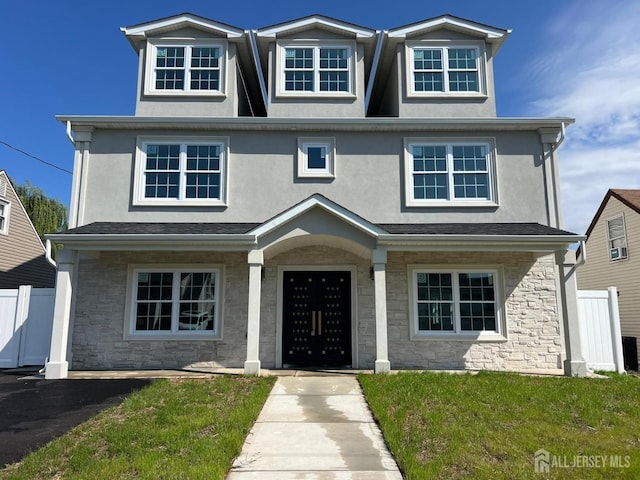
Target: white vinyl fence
[26,318]
[600,329]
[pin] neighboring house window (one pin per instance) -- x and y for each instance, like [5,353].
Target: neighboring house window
[175,301]
[180,68]
[617,238]
[321,70]
[455,302]
[445,172]
[4,217]
[183,173]
[316,157]
[450,70]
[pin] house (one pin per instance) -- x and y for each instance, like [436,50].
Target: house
[613,244]
[22,253]
[315,194]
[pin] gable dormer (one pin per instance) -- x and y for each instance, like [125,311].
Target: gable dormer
[439,67]
[316,66]
[194,66]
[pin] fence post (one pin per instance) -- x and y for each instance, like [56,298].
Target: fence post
[22,313]
[616,335]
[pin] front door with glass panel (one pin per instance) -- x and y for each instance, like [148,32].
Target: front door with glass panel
[316,322]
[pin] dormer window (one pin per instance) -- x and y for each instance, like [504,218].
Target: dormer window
[323,70]
[439,69]
[178,67]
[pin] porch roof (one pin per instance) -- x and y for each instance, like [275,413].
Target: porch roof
[244,237]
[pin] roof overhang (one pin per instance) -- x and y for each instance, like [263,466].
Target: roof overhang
[370,124]
[316,21]
[528,243]
[136,34]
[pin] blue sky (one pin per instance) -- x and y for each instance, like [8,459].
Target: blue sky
[578,58]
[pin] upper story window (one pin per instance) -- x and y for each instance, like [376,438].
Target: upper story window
[455,302]
[316,157]
[4,217]
[436,70]
[617,239]
[181,67]
[168,301]
[189,172]
[316,69]
[440,172]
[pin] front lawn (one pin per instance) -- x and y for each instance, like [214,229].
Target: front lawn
[172,429]
[490,425]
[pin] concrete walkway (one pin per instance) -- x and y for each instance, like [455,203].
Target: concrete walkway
[315,428]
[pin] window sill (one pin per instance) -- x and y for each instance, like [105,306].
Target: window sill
[459,337]
[433,95]
[173,337]
[319,175]
[319,95]
[452,203]
[183,93]
[179,203]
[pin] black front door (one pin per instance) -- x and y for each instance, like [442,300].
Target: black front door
[316,322]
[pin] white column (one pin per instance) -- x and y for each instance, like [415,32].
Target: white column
[574,365]
[252,364]
[57,366]
[379,261]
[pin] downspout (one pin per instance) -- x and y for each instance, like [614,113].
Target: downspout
[47,255]
[69,136]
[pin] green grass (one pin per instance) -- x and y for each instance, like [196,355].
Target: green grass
[490,425]
[179,429]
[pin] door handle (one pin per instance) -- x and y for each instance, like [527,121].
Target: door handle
[313,323]
[319,323]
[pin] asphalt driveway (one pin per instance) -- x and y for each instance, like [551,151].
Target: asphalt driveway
[34,411]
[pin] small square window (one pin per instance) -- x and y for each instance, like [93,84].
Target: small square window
[316,157]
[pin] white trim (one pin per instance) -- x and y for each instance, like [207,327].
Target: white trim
[488,142]
[188,44]
[352,269]
[181,20]
[313,21]
[316,45]
[444,47]
[5,211]
[317,201]
[304,171]
[139,176]
[491,34]
[500,334]
[129,332]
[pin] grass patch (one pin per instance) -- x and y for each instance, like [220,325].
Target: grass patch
[172,429]
[490,425]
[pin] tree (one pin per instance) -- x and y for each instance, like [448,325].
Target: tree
[48,215]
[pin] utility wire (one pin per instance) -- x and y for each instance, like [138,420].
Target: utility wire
[35,158]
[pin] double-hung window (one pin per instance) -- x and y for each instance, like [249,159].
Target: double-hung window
[316,69]
[4,217]
[182,68]
[445,70]
[455,302]
[617,239]
[174,301]
[449,172]
[181,172]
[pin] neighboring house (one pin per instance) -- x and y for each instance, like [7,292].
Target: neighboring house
[315,194]
[22,254]
[613,255]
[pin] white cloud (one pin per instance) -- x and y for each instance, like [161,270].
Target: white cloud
[590,70]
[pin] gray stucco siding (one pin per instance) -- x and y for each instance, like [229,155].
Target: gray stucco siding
[369,179]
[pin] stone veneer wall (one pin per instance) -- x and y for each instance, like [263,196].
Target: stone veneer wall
[97,339]
[531,308]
